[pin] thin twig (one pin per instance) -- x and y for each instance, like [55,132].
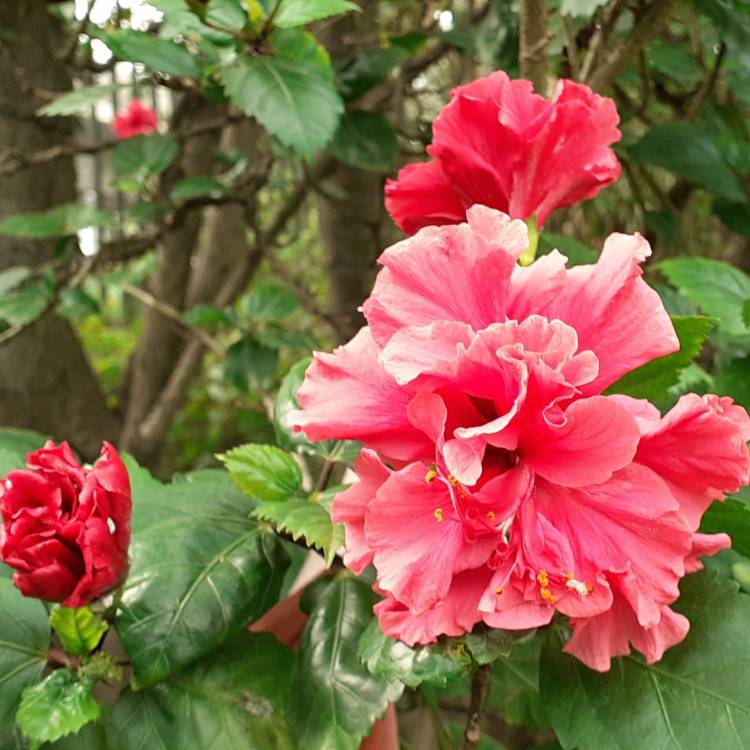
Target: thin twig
[69,53]
[707,86]
[571,47]
[171,313]
[601,36]
[480,688]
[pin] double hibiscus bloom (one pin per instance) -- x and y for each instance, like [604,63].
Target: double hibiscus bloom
[496,482]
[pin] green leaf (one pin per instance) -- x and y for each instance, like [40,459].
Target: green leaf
[368,69]
[514,690]
[248,364]
[696,697]
[691,152]
[77,101]
[269,301]
[288,98]
[652,380]
[580,8]
[196,186]
[333,700]
[302,47]
[56,222]
[395,661]
[366,140]
[576,252]
[28,303]
[20,442]
[300,12]
[487,644]
[734,380]
[162,55]
[732,517]
[144,156]
[231,700]
[208,315]
[201,569]
[12,277]
[76,304]
[79,630]
[717,287]
[56,707]
[144,211]
[746,312]
[674,61]
[264,471]
[309,518]
[24,640]
[735,215]
[344,451]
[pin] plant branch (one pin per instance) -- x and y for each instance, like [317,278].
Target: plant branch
[707,86]
[534,41]
[480,688]
[601,36]
[175,316]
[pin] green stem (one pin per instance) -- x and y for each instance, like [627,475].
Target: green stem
[528,255]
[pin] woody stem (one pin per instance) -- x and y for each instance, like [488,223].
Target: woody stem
[480,688]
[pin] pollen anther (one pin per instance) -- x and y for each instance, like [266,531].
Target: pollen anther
[439,515]
[430,476]
[498,590]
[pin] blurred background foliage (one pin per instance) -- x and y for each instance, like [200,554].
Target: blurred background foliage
[162,286]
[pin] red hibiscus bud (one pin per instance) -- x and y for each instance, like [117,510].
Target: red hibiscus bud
[66,528]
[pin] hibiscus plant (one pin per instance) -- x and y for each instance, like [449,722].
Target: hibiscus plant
[503,503]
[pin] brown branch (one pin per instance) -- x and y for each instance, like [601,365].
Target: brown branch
[534,42]
[480,688]
[647,24]
[175,316]
[707,86]
[601,36]
[69,53]
[571,47]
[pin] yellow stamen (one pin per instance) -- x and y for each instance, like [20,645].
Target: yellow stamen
[543,578]
[439,515]
[547,595]
[491,515]
[498,590]
[453,480]
[430,476]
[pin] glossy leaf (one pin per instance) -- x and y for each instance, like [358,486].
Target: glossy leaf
[734,380]
[732,517]
[250,364]
[27,303]
[333,699]
[144,156]
[368,69]
[269,301]
[652,380]
[79,630]
[718,288]
[300,12]
[162,55]
[79,100]
[56,707]
[56,222]
[287,97]
[264,471]
[697,696]
[395,661]
[201,569]
[24,640]
[366,140]
[691,152]
[232,700]
[196,186]
[309,519]
[487,644]
[576,252]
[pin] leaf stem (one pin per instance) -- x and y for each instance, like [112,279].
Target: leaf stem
[480,688]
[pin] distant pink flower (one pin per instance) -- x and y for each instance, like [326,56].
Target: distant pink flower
[135,119]
[497,484]
[500,145]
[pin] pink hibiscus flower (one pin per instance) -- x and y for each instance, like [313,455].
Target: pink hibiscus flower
[135,119]
[497,484]
[499,144]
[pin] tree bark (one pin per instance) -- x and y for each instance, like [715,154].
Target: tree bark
[46,382]
[533,56]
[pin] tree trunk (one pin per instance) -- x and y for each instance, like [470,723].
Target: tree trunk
[46,382]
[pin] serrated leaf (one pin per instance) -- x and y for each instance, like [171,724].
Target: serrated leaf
[27,303]
[300,12]
[692,152]
[734,380]
[196,186]
[77,101]
[269,301]
[487,644]
[24,640]
[201,569]
[208,315]
[162,55]
[310,518]
[58,706]
[395,661]
[79,630]
[56,222]
[653,379]
[232,699]
[249,364]
[369,68]
[264,471]
[717,287]
[333,700]
[288,98]
[144,156]
[366,140]
[697,696]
